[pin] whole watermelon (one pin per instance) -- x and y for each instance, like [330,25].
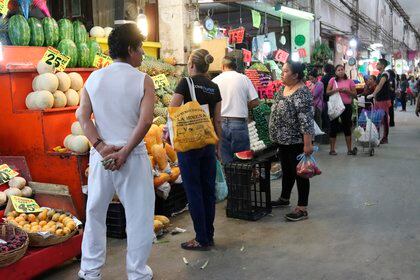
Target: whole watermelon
[94,49]
[68,47]
[65,29]
[79,32]
[51,32]
[37,32]
[83,55]
[19,31]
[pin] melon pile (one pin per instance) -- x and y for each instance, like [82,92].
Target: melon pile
[76,142]
[17,187]
[54,90]
[100,32]
[162,157]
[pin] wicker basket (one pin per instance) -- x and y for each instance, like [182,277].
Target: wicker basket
[7,258]
[36,240]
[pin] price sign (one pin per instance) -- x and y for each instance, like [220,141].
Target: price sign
[4,7]
[236,36]
[247,55]
[24,205]
[265,92]
[256,19]
[160,81]
[281,56]
[302,52]
[55,58]
[101,60]
[6,173]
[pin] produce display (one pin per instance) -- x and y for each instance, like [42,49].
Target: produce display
[37,32]
[259,67]
[76,142]
[256,143]
[13,241]
[160,223]
[17,187]
[51,32]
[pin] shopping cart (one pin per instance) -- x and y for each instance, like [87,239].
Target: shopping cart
[371,142]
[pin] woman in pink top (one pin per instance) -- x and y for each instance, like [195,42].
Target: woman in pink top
[347,90]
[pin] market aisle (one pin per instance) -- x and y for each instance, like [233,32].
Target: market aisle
[363,224]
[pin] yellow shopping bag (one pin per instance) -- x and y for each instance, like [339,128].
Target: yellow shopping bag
[190,126]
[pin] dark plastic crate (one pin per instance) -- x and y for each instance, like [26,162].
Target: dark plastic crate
[115,221]
[116,232]
[249,195]
[176,201]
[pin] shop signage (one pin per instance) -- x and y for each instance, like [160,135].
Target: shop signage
[300,40]
[160,81]
[24,205]
[281,56]
[101,60]
[6,173]
[256,19]
[302,52]
[247,55]
[55,58]
[4,7]
[236,36]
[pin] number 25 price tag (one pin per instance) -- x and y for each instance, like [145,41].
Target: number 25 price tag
[160,81]
[55,58]
[24,205]
[101,61]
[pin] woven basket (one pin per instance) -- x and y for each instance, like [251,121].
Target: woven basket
[7,258]
[36,240]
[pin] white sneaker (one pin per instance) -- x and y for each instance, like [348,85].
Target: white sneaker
[84,276]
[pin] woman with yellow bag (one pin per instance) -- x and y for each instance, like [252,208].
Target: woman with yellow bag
[195,115]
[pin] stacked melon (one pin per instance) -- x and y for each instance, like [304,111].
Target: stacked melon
[100,32]
[77,142]
[162,157]
[54,90]
[17,187]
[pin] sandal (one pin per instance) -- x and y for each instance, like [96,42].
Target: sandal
[351,153]
[333,153]
[194,245]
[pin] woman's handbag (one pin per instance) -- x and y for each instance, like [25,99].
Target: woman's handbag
[335,105]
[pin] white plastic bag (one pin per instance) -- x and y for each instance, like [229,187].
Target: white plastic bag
[371,134]
[335,106]
[318,131]
[361,101]
[358,132]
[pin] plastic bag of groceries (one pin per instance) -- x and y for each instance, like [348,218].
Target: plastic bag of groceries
[307,166]
[358,132]
[370,134]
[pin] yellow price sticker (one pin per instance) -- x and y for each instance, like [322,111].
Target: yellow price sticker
[6,173]
[25,205]
[4,7]
[55,58]
[101,60]
[160,81]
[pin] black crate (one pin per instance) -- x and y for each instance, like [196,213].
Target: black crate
[116,231]
[249,195]
[176,201]
[115,221]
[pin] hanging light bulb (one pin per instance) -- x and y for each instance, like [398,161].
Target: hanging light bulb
[197,32]
[142,24]
[353,43]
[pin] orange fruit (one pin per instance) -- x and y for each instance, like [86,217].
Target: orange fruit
[55,217]
[66,230]
[22,223]
[59,232]
[43,223]
[31,218]
[62,217]
[42,216]
[71,225]
[19,219]
[10,218]
[24,216]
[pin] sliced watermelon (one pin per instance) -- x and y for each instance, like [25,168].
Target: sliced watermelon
[37,32]
[65,29]
[245,155]
[19,31]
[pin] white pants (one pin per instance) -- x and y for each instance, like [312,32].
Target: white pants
[133,184]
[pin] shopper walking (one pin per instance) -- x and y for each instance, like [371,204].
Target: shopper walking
[403,95]
[382,96]
[347,89]
[292,128]
[413,88]
[238,95]
[198,167]
[317,90]
[392,91]
[329,73]
[121,98]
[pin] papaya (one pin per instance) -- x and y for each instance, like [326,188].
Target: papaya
[175,172]
[170,152]
[161,179]
[159,155]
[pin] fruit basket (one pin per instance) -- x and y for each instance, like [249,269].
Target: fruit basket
[16,236]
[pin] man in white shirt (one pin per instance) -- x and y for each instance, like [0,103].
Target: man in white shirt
[238,95]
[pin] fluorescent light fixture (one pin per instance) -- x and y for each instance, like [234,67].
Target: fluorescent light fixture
[297,13]
[197,33]
[353,43]
[295,56]
[142,24]
[349,52]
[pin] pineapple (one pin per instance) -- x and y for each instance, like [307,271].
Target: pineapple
[166,99]
[159,120]
[160,112]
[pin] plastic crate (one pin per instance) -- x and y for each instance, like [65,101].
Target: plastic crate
[116,231]
[115,221]
[176,201]
[249,195]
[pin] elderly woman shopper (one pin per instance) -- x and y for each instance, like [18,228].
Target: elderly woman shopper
[292,128]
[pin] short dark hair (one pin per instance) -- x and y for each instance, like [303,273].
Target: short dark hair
[384,62]
[297,68]
[313,73]
[122,37]
[403,77]
[329,68]
[335,69]
[373,77]
[229,62]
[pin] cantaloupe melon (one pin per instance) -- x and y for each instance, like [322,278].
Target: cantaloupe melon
[46,81]
[44,99]
[97,31]
[72,98]
[13,191]
[43,67]
[76,81]
[67,140]
[17,182]
[64,81]
[34,83]
[60,99]
[26,191]
[76,129]
[79,144]
[3,198]
[30,101]
[108,31]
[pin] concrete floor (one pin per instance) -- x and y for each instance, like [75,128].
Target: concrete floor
[364,224]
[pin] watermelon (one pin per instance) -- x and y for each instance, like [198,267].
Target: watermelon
[65,29]
[244,155]
[68,47]
[79,32]
[19,31]
[94,49]
[51,33]
[37,32]
[83,55]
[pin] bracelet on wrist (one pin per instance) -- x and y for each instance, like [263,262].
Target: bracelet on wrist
[97,143]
